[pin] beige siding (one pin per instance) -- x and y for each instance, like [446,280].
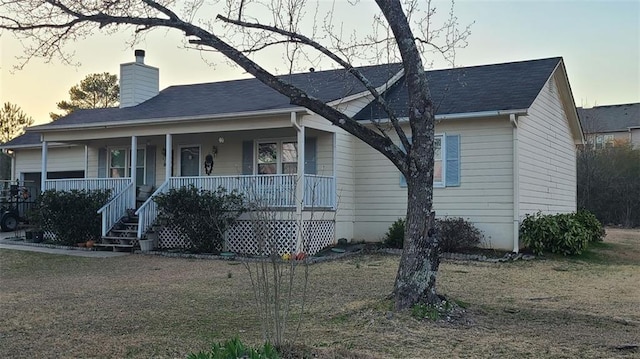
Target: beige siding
[58,159]
[547,157]
[345,184]
[484,196]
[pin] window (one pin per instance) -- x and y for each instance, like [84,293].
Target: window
[277,157]
[437,161]
[120,164]
[446,162]
[190,161]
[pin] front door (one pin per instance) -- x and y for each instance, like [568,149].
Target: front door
[190,161]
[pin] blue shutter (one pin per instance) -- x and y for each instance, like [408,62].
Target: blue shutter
[403,181]
[150,165]
[247,157]
[452,153]
[102,163]
[310,158]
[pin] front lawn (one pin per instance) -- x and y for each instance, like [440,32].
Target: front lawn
[148,306]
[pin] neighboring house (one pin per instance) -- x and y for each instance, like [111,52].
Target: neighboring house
[506,137]
[607,125]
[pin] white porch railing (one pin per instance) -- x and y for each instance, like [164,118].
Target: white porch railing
[116,207]
[319,191]
[116,185]
[275,191]
[148,212]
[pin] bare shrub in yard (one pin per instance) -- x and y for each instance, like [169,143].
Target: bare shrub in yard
[279,280]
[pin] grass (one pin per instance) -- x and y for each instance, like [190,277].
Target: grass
[145,306]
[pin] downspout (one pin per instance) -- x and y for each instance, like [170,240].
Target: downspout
[516,185]
[299,197]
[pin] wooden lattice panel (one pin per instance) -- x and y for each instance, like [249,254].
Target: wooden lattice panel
[317,235]
[170,238]
[254,237]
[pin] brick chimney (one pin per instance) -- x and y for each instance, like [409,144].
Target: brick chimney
[138,82]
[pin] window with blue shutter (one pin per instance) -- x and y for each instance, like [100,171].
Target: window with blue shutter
[247,157]
[452,165]
[446,160]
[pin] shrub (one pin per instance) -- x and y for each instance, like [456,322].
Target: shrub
[71,216]
[589,221]
[235,349]
[202,215]
[395,235]
[556,233]
[455,234]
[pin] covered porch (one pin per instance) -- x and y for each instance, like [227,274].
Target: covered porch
[285,168]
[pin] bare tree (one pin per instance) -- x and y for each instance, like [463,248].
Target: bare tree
[402,30]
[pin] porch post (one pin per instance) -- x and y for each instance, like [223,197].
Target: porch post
[300,186]
[168,158]
[86,161]
[134,165]
[43,175]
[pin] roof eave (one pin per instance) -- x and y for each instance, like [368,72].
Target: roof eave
[166,120]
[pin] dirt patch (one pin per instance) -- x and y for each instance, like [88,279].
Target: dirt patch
[150,306]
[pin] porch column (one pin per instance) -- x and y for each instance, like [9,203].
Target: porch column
[86,161]
[43,175]
[168,158]
[134,165]
[300,186]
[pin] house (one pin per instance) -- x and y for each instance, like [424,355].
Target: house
[506,137]
[605,125]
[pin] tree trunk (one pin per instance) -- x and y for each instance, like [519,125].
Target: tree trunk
[418,269]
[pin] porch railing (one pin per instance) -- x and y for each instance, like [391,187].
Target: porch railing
[319,191]
[116,185]
[116,207]
[274,191]
[148,212]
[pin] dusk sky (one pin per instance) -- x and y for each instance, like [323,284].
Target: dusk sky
[599,41]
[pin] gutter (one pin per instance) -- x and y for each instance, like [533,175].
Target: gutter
[516,185]
[181,119]
[462,115]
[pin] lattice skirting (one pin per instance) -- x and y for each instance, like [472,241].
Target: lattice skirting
[255,237]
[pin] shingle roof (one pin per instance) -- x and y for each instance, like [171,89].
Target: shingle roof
[233,96]
[508,86]
[610,118]
[498,87]
[26,139]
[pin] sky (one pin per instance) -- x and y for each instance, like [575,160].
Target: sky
[599,41]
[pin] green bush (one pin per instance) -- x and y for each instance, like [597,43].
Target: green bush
[394,238]
[556,233]
[202,215]
[70,216]
[235,349]
[591,224]
[455,234]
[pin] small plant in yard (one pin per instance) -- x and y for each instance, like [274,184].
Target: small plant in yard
[71,216]
[395,235]
[202,215]
[431,312]
[555,233]
[455,234]
[591,224]
[235,349]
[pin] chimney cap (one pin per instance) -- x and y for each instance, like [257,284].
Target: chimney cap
[139,53]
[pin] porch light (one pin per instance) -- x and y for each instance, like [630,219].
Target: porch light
[221,139]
